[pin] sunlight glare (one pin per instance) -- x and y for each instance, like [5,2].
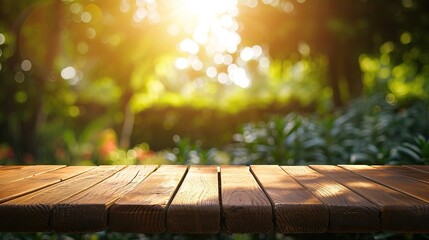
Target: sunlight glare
[218,58]
[251,3]
[246,54]
[332,189]
[139,15]
[2,39]
[189,46]
[212,28]
[181,63]
[238,76]
[264,64]
[68,73]
[206,9]
[361,185]
[250,53]
[91,33]
[257,51]
[211,72]
[227,59]
[26,65]
[201,36]
[86,17]
[273,3]
[223,78]
[76,8]
[197,65]
[212,24]
[287,6]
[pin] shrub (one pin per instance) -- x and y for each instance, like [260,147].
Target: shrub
[369,131]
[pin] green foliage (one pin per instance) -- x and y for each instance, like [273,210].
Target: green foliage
[192,153]
[370,131]
[406,79]
[124,63]
[415,152]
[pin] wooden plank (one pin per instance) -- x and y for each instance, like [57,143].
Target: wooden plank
[245,207]
[409,172]
[12,167]
[399,212]
[195,207]
[144,208]
[25,172]
[349,212]
[87,211]
[12,190]
[31,212]
[419,167]
[296,210]
[403,184]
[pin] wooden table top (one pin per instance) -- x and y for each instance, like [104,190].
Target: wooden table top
[212,199]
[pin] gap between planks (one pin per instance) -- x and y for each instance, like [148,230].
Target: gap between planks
[399,211]
[143,209]
[88,210]
[220,196]
[32,212]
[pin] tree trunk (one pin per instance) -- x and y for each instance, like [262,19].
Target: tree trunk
[345,76]
[127,126]
[334,78]
[25,135]
[353,75]
[39,116]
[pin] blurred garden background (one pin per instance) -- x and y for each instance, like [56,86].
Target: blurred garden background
[219,82]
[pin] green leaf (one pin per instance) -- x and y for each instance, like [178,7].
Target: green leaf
[410,154]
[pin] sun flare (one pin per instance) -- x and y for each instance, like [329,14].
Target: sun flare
[210,23]
[211,30]
[207,10]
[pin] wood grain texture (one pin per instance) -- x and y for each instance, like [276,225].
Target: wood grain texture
[296,210]
[349,212]
[87,211]
[12,190]
[195,207]
[6,170]
[401,183]
[409,172]
[31,212]
[11,167]
[418,167]
[245,207]
[144,208]
[399,212]
[26,172]
[294,199]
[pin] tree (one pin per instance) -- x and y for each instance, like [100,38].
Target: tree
[24,44]
[340,30]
